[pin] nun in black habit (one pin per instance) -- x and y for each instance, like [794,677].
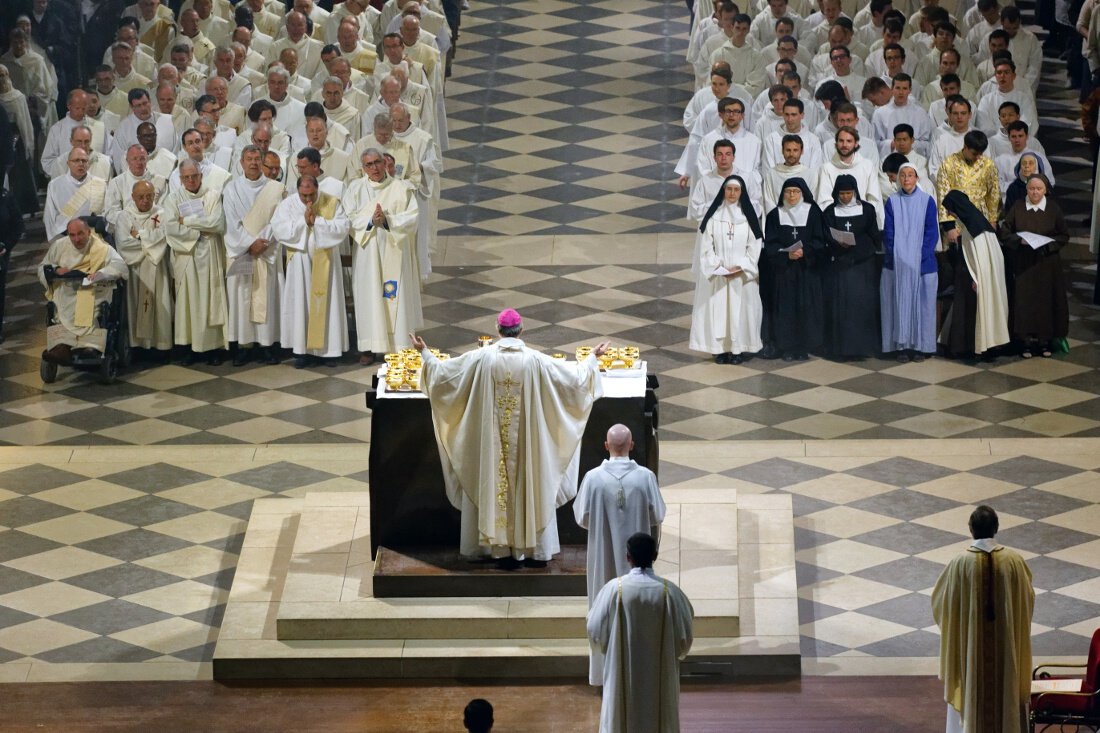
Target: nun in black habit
[794,243]
[850,276]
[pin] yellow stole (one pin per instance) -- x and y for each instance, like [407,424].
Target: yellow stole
[318,284]
[95,257]
[262,209]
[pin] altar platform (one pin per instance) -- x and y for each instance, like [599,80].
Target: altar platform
[302,604]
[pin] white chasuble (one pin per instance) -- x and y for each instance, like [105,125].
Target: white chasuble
[508,423]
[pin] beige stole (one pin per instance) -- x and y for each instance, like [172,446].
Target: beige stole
[90,192]
[95,257]
[254,221]
[318,285]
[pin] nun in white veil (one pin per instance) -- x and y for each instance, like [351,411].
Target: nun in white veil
[726,313]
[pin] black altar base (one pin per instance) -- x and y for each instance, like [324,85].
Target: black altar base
[409,506]
[436,572]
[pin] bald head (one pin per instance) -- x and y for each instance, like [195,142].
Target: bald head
[619,441]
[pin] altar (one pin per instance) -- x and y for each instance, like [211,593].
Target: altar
[409,505]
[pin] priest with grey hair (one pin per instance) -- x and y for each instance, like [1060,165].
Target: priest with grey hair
[616,499]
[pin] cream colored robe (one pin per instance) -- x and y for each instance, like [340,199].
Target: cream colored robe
[986,665]
[65,293]
[140,239]
[244,326]
[120,192]
[643,624]
[508,422]
[430,163]
[384,317]
[68,198]
[198,269]
[303,243]
[986,264]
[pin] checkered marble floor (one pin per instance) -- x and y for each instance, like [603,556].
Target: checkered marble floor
[565,119]
[122,508]
[563,306]
[115,562]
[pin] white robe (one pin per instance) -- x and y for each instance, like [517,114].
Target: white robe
[120,192]
[126,135]
[68,198]
[57,139]
[64,293]
[726,313]
[508,422]
[428,191]
[986,264]
[643,624]
[615,500]
[198,269]
[14,103]
[384,279]
[288,227]
[140,239]
[238,198]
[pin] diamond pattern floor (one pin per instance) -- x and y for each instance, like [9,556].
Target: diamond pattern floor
[114,559]
[124,556]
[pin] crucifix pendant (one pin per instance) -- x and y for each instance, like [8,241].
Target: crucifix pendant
[848,225]
[794,234]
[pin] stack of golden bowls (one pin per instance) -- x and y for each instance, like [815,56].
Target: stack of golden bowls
[403,369]
[624,357]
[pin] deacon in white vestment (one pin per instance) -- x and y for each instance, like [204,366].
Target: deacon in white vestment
[508,422]
[643,623]
[76,194]
[847,160]
[254,278]
[195,226]
[384,279]
[80,251]
[311,225]
[140,239]
[616,499]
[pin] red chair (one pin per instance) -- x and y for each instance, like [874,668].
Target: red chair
[1061,708]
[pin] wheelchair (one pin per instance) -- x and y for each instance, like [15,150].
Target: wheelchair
[111,317]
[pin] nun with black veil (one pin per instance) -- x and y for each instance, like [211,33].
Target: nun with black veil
[726,313]
[850,277]
[978,317]
[794,242]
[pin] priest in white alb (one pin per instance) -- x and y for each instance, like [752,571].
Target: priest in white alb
[78,272]
[430,164]
[140,239]
[508,422]
[384,279]
[76,194]
[195,225]
[311,225]
[616,499]
[643,624]
[121,187]
[254,277]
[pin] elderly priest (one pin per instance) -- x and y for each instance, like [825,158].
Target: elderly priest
[508,422]
[78,272]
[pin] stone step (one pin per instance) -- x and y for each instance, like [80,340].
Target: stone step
[432,572]
[467,618]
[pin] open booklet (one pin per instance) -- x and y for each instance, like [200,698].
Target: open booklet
[723,271]
[191,207]
[796,247]
[1033,240]
[842,237]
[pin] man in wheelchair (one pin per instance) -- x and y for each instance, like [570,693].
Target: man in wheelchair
[79,273]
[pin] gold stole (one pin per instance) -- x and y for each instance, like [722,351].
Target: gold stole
[389,253]
[254,221]
[989,673]
[318,284]
[95,257]
[86,193]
